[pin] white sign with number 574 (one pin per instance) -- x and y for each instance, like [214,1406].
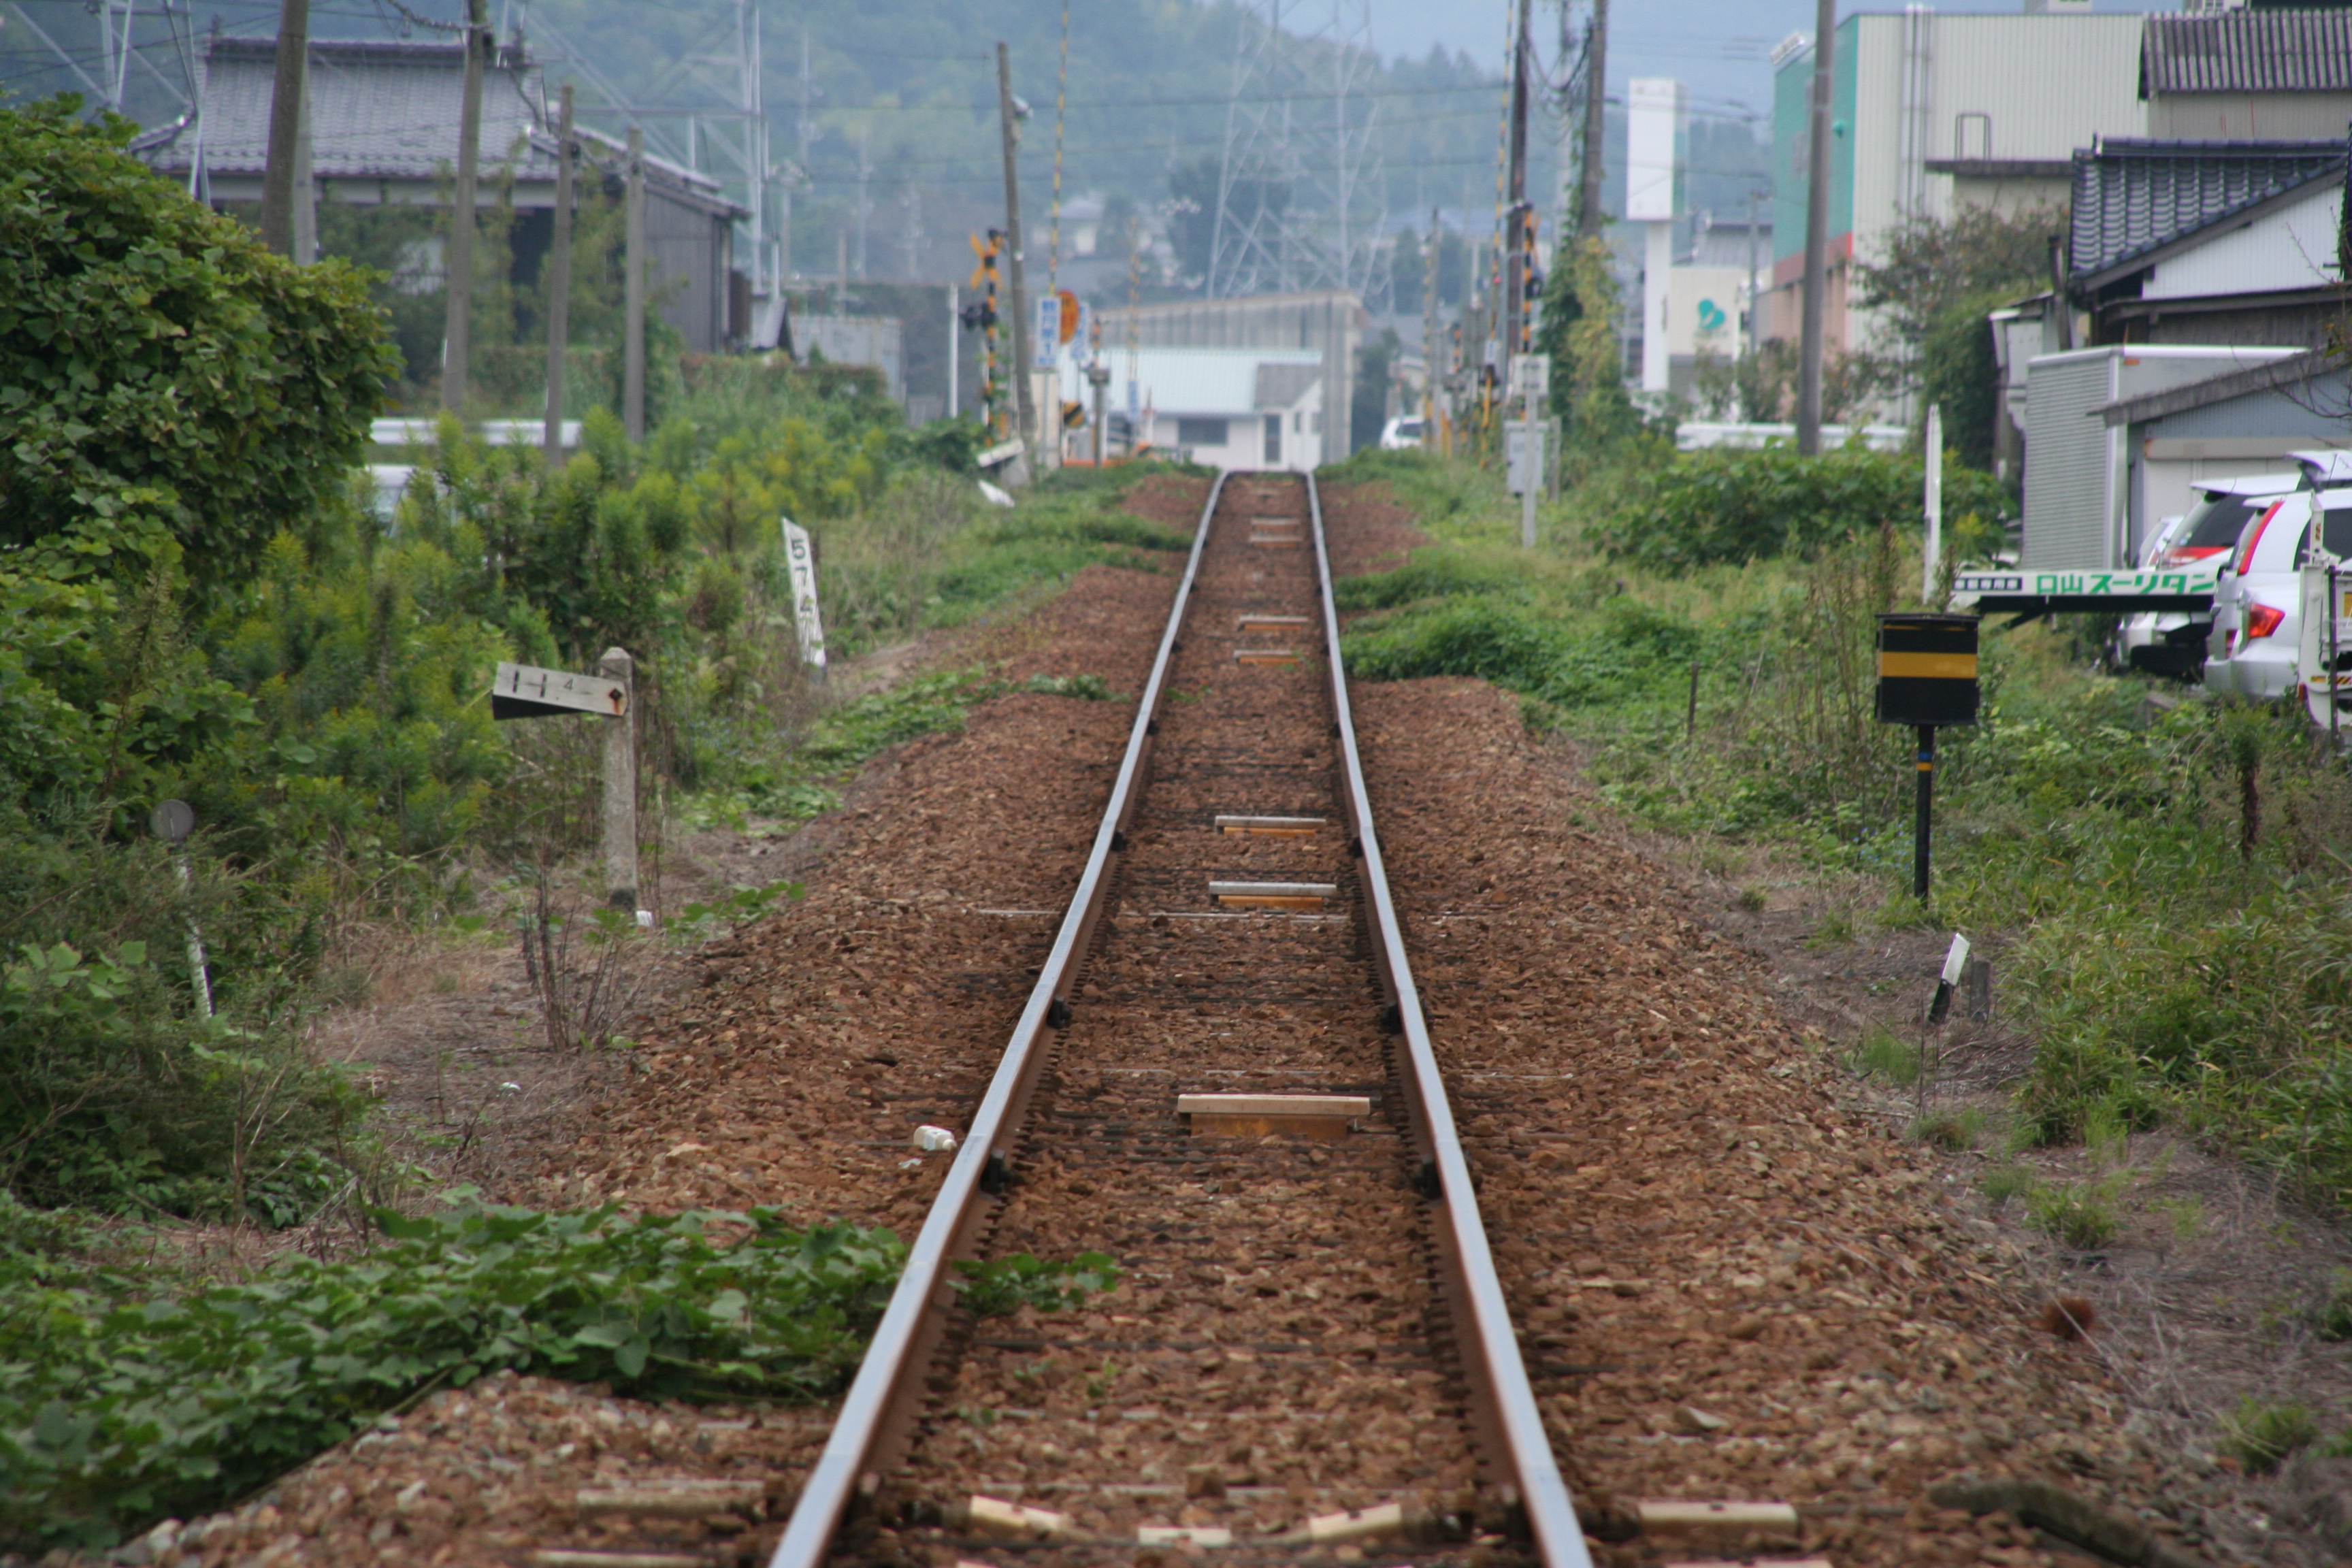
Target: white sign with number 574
[801,557]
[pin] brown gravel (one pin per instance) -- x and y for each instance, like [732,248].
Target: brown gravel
[1728,1286]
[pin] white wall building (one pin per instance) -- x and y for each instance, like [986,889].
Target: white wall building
[1227,407]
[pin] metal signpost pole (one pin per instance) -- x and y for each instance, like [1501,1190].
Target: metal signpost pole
[1922,822]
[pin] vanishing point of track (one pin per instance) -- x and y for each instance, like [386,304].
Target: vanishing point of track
[1310,1347]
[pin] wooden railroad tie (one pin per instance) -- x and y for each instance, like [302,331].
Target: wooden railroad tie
[1270,826]
[1268,655]
[1276,532]
[1256,1115]
[1182,1535]
[1720,1527]
[560,1558]
[1244,623]
[669,1499]
[1308,896]
[1010,1520]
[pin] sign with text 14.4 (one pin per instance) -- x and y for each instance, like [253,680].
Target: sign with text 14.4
[801,558]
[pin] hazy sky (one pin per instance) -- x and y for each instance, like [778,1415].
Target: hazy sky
[1722,48]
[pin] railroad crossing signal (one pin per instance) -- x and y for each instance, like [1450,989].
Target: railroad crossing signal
[1927,677]
[984,316]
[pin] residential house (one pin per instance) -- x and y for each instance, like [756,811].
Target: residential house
[384,121]
[1327,327]
[1226,407]
[2208,242]
[2270,73]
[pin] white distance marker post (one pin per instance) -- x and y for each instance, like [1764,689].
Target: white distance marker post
[800,556]
[1956,962]
[1932,503]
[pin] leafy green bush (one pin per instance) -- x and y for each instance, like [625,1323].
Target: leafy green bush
[1721,504]
[163,379]
[119,1402]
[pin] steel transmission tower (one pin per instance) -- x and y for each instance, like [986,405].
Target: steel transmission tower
[1300,193]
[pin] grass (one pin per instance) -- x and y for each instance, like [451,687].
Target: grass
[2179,959]
[2081,1215]
[1954,1131]
[2262,1435]
[1881,1056]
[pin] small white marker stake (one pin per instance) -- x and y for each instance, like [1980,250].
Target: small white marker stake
[1956,962]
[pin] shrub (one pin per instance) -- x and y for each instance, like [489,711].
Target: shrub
[2262,1436]
[2082,1217]
[164,378]
[1721,504]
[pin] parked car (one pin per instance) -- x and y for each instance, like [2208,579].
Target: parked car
[2257,605]
[2140,641]
[2174,642]
[1401,432]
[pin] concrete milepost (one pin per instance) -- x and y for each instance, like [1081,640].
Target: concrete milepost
[526,692]
[172,821]
[799,555]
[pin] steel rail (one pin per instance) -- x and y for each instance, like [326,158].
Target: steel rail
[884,1397]
[1501,1402]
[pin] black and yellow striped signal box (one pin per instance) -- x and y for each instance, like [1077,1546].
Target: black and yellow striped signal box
[1926,668]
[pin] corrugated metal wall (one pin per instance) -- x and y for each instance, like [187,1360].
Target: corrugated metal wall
[2069,464]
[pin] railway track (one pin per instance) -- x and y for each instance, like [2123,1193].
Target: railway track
[1223,1078]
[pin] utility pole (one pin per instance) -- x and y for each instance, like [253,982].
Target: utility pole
[1023,393]
[633,327]
[286,92]
[1596,120]
[1429,252]
[460,254]
[1516,256]
[559,283]
[1817,238]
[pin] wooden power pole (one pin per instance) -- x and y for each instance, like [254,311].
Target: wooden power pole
[559,283]
[1024,390]
[633,328]
[1817,238]
[460,253]
[286,92]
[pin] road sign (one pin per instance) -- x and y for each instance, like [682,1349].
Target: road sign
[526,692]
[1530,374]
[801,557]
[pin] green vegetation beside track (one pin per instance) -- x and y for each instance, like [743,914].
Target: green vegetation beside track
[2169,878]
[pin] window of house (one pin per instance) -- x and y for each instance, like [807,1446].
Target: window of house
[1200,432]
[1273,440]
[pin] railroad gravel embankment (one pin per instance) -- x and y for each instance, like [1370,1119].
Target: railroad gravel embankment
[1728,1285]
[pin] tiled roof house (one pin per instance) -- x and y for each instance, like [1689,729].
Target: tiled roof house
[383,129]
